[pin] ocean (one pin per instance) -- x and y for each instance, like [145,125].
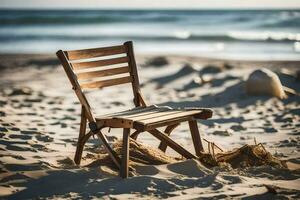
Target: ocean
[230,34]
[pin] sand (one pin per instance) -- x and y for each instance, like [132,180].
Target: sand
[39,124]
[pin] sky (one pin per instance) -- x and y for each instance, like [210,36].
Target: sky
[151,4]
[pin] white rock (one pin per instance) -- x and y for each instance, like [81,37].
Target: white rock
[264,82]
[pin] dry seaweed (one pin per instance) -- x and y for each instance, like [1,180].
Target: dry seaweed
[245,156]
[144,154]
[249,155]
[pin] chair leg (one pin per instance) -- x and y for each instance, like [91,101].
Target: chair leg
[171,143]
[80,143]
[196,137]
[135,134]
[115,158]
[163,146]
[78,154]
[125,153]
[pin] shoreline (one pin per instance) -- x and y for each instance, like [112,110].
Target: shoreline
[3,55]
[192,58]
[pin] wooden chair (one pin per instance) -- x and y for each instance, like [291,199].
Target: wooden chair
[141,118]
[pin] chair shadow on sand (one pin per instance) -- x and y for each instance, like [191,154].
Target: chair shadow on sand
[86,183]
[93,182]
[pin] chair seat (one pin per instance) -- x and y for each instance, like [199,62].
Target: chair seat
[150,117]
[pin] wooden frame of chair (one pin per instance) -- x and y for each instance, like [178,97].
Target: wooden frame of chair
[77,60]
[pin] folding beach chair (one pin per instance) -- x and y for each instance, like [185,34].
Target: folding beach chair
[84,66]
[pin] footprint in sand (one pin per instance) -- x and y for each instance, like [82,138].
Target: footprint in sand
[44,138]
[68,118]
[36,120]
[14,177]
[238,128]
[22,105]
[270,130]
[66,163]
[14,129]
[63,125]
[23,137]
[30,114]
[27,167]
[2,114]
[289,143]
[30,132]
[227,132]
[33,100]
[15,101]
[21,91]
[18,157]
[2,129]
[71,110]
[19,148]
[51,102]
[55,109]
[2,103]
[8,124]
[71,141]
[41,147]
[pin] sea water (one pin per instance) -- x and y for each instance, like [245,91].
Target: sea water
[231,34]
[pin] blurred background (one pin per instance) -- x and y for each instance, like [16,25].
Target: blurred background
[206,30]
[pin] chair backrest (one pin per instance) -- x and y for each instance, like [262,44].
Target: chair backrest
[85,67]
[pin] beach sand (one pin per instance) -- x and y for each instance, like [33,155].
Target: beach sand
[39,124]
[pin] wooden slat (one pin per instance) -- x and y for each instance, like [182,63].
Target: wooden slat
[205,114]
[144,114]
[146,127]
[130,112]
[159,112]
[145,111]
[107,83]
[100,63]
[140,111]
[170,116]
[151,115]
[102,73]
[95,52]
